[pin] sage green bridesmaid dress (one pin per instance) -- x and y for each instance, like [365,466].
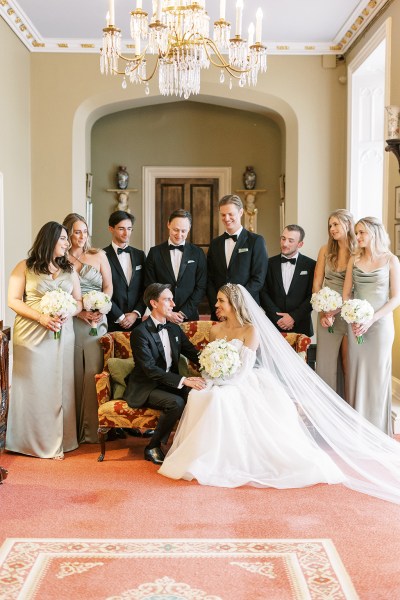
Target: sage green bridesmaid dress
[41,418]
[370,363]
[88,361]
[329,362]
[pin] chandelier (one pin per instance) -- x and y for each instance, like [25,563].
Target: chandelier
[177,33]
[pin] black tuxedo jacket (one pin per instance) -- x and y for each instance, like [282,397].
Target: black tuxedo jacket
[150,365]
[297,301]
[248,265]
[126,297]
[190,287]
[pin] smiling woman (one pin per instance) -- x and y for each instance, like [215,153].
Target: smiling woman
[40,423]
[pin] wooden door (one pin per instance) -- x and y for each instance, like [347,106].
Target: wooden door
[199,196]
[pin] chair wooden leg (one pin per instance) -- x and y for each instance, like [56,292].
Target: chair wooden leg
[102,433]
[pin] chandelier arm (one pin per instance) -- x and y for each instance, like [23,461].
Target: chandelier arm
[234,71]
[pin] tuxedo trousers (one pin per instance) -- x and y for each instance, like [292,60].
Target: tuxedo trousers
[171,405]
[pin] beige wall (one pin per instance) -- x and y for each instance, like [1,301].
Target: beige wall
[185,134]
[392,13]
[15,151]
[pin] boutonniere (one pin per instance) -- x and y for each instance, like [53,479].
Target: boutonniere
[243,250]
[177,339]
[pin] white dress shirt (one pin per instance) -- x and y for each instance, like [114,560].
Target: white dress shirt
[164,337]
[176,258]
[288,272]
[125,262]
[230,246]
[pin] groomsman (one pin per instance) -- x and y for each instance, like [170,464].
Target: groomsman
[127,268]
[237,256]
[155,381]
[286,294]
[181,264]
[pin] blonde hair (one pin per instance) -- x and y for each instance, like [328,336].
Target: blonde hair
[68,223]
[346,219]
[236,300]
[380,241]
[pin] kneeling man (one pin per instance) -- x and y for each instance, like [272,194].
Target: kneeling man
[155,381]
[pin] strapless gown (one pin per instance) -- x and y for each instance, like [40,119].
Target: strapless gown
[329,363]
[370,363]
[88,362]
[41,418]
[246,431]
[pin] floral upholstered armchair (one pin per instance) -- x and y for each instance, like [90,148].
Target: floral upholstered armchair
[118,363]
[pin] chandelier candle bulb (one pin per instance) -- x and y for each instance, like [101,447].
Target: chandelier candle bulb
[251,35]
[259,18]
[222,4]
[139,4]
[108,19]
[111,12]
[239,14]
[159,9]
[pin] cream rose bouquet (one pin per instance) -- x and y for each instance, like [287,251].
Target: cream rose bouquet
[327,301]
[96,301]
[58,303]
[219,360]
[357,311]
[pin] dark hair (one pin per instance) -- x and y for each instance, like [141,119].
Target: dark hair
[153,292]
[40,256]
[297,228]
[118,216]
[231,199]
[180,213]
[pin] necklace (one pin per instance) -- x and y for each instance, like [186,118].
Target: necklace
[77,257]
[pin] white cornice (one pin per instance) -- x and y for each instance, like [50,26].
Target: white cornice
[354,26]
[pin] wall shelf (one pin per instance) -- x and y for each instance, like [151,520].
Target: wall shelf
[122,198]
[394,146]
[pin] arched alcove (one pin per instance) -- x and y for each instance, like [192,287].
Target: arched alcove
[258,102]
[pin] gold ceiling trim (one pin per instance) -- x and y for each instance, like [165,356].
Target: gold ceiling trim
[360,23]
[14,19]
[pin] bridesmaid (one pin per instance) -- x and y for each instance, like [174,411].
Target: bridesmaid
[330,271]
[41,418]
[94,273]
[374,275]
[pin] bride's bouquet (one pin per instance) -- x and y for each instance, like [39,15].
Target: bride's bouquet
[219,360]
[357,311]
[58,303]
[326,300]
[96,301]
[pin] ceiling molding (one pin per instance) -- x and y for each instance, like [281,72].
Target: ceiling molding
[358,20]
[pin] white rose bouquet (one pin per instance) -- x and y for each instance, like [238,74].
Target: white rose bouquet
[326,300]
[58,303]
[357,311]
[219,360]
[96,301]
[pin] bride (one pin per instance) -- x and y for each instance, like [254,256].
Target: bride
[275,423]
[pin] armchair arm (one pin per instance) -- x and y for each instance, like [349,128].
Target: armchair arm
[103,387]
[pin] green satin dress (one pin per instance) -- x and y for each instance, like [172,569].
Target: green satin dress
[88,361]
[329,363]
[41,418]
[370,363]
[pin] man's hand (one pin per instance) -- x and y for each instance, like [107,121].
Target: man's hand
[285,322]
[129,320]
[197,383]
[176,317]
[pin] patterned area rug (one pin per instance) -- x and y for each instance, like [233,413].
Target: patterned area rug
[171,569]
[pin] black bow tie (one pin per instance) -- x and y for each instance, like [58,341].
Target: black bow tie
[180,248]
[233,237]
[121,250]
[285,260]
[161,326]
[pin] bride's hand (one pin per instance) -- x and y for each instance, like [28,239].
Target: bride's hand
[196,383]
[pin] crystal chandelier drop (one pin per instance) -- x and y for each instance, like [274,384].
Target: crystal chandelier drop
[177,33]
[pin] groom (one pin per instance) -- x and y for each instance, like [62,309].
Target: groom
[155,381]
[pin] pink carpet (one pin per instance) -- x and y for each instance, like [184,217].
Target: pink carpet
[124,497]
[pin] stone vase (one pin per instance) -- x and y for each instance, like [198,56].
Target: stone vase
[122,178]
[393,129]
[249,178]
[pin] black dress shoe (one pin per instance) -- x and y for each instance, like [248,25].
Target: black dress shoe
[148,433]
[133,431]
[156,455]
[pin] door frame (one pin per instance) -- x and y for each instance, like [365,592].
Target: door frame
[149,176]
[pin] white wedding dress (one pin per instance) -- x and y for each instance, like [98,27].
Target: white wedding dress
[246,430]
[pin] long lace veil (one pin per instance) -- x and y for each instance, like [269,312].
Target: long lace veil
[369,459]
